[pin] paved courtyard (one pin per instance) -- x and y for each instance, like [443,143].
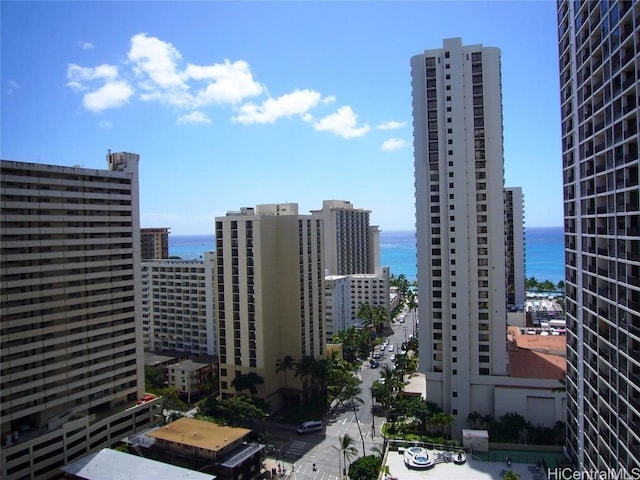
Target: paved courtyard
[471,470]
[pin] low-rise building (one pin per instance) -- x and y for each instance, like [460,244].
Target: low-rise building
[191,378]
[108,464]
[207,447]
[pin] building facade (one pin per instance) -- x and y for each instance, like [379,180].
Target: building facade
[515,246]
[70,347]
[352,245]
[269,287]
[155,243]
[371,289]
[599,58]
[178,306]
[338,310]
[459,185]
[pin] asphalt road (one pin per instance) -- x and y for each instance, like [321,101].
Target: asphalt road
[297,453]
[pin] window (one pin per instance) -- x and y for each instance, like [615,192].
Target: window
[448,98]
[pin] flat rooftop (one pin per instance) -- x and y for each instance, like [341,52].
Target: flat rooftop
[199,434]
[472,469]
[536,356]
[110,464]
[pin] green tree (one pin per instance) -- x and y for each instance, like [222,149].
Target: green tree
[153,379]
[171,401]
[352,392]
[235,411]
[532,283]
[379,317]
[347,450]
[412,305]
[247,382]
[560,286]
[512,424]
[283,365]
[365,468]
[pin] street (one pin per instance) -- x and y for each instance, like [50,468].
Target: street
[299,452]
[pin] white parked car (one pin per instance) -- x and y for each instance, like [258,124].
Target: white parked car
[391,348]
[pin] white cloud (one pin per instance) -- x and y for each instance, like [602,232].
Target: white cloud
[194,117]
[79,76]
[391,125]
[297,102]
[154,71]
[12,86]
[392,144]
[157,60]
[342,123]
[231,82]
[105,124]
[110,95]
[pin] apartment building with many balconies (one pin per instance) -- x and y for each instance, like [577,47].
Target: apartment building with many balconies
[599,51]
[178,306]
[70,347]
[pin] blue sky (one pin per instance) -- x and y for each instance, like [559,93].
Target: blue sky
[233,104]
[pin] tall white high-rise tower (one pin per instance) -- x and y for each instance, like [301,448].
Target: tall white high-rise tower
[460,222]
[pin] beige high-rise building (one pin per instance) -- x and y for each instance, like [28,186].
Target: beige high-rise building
[269,287]
[351,244]
[599,47]
[71,367]
[155,243]
[460,222]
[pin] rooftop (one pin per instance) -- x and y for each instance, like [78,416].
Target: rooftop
[110,464]
[472,469]
[536,356]
[199,434]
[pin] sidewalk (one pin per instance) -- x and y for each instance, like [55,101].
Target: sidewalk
[271,465]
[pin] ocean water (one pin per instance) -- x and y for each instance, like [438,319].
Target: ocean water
[544,251]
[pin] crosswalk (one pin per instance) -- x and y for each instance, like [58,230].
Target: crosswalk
[296,449]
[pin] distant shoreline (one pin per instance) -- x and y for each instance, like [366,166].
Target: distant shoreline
[382,230]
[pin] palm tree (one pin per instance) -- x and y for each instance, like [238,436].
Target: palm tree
[379,317]
[352,392]
[304,369]
[412,304]
[284,364]
[511,475]
[347,449]
[365,312]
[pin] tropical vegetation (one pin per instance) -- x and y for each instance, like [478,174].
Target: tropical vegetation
[532,284]
[514,428]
